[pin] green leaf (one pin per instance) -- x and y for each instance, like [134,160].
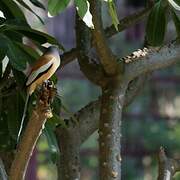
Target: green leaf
[175,4]
[54,78]
[113,13]
[39,36]
[17,57]
[56,119]
[13,9]
[35,35]
[57,6]
[31,54]
[20,79]
[176,22]
[2,20]
[16,22]
[5,139]
[3,47]
[7,13]
[52,142]
[37,4]
[82,7]
[0,76]
[56,105]
[22,3]
[14,114]
[13,35]
[156,25]
[30,51]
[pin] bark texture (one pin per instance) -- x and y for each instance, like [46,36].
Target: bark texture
[110,131]
[69,164]
[32,132]
[167,166]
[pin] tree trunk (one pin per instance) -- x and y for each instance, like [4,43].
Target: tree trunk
[110,131]
[69,164]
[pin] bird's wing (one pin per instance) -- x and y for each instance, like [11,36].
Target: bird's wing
[34,74]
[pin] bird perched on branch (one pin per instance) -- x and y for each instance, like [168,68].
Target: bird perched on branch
[41,71]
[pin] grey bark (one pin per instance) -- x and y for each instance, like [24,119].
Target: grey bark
[69,164]
[110,131]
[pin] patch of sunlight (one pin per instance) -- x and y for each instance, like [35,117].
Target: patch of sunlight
[42,143]
[93,161]
[148,176]
[48,172]
[177,105]
[2,14]
[170,107]
[166,107]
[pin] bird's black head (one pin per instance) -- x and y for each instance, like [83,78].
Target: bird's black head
[53,50]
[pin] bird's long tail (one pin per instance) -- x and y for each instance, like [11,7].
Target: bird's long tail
[23,117]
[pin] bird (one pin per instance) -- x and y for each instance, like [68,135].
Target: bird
[40,72]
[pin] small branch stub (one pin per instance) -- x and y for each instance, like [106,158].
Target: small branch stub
[167,166]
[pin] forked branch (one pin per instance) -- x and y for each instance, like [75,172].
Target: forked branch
[167,166]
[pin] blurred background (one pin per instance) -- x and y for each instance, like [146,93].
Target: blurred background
[151,121]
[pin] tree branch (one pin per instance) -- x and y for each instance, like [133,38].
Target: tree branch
[150,60]
[88,117]
[69,56]
[106,57]
[32,132]
[167,166]
[90,114]
[91,70]
[7,158]
[128,21]
[134,88]
[125,23]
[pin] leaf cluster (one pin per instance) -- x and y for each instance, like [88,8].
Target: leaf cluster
[158,19]
[15,53]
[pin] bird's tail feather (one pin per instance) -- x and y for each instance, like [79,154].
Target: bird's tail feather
[23,117]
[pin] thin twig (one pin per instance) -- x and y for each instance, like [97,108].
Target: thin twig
[128,21]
